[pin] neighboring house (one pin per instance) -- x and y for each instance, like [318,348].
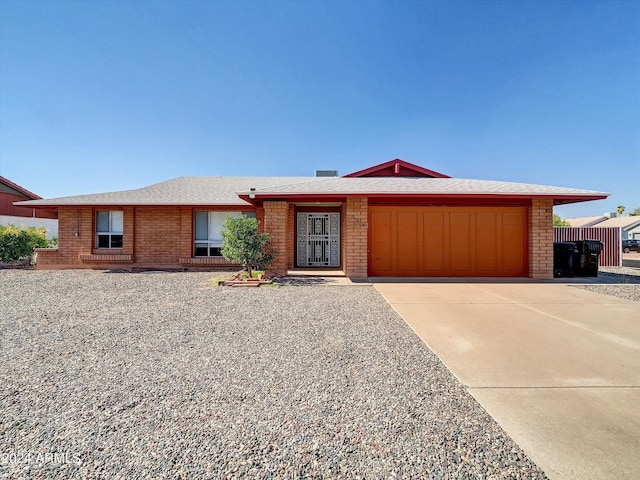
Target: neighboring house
[392,219]
[585,221]
[20,216]
[629,226]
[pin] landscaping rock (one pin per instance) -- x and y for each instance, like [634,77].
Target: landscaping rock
[160,375]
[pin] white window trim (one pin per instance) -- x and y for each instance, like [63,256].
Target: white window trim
[110,233]
[214,239]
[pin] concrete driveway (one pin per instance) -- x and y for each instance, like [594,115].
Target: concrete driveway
[558,367]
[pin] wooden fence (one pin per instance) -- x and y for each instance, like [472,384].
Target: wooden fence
[611,237]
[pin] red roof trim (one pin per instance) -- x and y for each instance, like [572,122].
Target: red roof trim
[20,189]
[99,206]
[397,165]
[297,197]
[316,197]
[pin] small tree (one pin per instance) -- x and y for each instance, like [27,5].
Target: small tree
[620,209]
[242,243]
[559,222]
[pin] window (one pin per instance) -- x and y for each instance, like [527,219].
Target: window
[109,229]
[208,232]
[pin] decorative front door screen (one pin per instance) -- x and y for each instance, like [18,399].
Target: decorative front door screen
[318,239]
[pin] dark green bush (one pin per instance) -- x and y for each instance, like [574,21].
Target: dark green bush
[17,243]
[242,243]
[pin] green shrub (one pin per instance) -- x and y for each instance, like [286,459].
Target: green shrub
[17,243]
[242,243]
[560,222]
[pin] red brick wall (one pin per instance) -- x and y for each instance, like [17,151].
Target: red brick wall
[128,237]
[157,237]
[541,238]
[157,232]
[291,237]
[260,218]
[186,236]
[354,240]
[276,214]
[75,237]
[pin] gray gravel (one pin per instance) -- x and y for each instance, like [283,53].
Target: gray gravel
[159,375]
[626,291]
[621,282]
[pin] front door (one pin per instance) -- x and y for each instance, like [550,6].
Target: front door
[318,239]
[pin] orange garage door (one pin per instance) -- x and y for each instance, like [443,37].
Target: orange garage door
[448,241]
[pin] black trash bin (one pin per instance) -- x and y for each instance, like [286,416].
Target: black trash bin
[588,258]
[565,255]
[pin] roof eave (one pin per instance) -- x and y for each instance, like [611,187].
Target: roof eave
[567,199]
[558,199]
[121,204]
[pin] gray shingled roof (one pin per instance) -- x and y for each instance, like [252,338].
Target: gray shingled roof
[225,190]
[179,191]
[418,185]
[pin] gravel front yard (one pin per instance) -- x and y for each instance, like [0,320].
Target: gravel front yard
[159,375]
[621,282]
[626,291]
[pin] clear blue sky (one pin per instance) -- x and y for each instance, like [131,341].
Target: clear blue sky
[110,95]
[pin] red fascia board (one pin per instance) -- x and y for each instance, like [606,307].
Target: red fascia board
[20,189]
[141,205]
[557,199]
[449,201]
[566,199]
[326,197]
[403,163]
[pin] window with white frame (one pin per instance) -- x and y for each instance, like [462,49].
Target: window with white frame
[208,232]
[109,229]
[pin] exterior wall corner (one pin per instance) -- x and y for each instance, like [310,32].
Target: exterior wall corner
[276,223]
[541,238]
[355,244]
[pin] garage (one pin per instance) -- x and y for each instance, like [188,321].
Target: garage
[452,241]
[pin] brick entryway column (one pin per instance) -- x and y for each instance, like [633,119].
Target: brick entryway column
[354,246]
[541,238]
[275,224]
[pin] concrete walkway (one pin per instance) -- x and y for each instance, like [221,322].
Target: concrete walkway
[558,367]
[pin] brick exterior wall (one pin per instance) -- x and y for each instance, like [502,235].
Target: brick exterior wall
[159,237]
[354,238]
[157,234]
[260,218]
[75,237]
[291,237]
[162,237]
[128,240]
[276,215]
[541,239]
